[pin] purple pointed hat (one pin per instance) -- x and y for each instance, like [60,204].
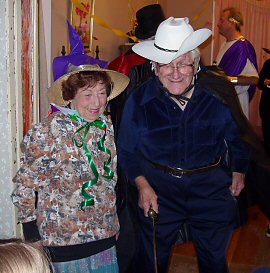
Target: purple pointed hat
[76,57]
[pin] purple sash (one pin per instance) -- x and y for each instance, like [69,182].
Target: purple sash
[235,58]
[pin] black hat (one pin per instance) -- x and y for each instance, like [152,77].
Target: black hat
[148,20]
[266,50]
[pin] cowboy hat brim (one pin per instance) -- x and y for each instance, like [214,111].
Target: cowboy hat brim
[196,39]
[148,50]
[120,82]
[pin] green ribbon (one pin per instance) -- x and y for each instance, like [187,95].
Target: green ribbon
[89,200]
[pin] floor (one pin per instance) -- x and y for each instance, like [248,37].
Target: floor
[249,248]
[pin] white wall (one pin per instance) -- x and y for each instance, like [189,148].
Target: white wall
[10,110]
[118,16]
[115,13]
[59,29]
[200,14]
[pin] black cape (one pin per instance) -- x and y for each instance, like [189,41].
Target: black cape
[258,177]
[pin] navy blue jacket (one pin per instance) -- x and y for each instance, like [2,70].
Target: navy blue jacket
[155,128]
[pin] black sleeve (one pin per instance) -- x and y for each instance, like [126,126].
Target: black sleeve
[30,231]
[264,74]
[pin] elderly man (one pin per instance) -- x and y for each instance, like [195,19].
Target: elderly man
[173,137]
[237,57]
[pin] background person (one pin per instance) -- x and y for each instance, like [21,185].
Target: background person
[237,57]
[64,189]
[178,132]
[133,65]
[20,257]
[264,85]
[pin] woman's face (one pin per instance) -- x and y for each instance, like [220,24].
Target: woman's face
[90,102]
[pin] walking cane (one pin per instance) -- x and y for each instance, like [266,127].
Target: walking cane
[154,216]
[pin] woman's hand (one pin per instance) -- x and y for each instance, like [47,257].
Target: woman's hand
[238,183]
[147,196]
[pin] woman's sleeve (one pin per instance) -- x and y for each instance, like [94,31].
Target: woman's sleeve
[34,151]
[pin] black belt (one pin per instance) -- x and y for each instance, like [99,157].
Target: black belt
[178,172]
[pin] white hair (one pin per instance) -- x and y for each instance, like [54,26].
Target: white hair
[196,57]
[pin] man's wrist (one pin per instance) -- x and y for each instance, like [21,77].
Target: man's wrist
[141,182]
[233,80]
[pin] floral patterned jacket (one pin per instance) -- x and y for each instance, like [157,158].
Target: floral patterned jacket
[54,167]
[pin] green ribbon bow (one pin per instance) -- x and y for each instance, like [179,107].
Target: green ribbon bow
[89,200]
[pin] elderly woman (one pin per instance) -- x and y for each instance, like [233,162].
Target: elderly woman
[178,132]
[64,189]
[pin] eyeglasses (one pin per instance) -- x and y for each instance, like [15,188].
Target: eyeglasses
[181,68]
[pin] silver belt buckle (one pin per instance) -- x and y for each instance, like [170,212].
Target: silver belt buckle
[176,175]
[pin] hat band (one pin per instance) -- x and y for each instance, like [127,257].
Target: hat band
[165,49]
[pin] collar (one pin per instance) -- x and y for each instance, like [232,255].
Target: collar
[71,113]
[154,89]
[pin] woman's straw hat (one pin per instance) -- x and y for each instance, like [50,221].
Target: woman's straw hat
[120,82]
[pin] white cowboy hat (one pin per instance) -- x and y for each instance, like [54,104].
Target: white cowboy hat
[120,82]
[174,37]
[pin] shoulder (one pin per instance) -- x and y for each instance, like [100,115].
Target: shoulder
[213,79]
[144,90]
[245,45]
[55,124]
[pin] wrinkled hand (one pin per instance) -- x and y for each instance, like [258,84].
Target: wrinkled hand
[147,196]
[238,183]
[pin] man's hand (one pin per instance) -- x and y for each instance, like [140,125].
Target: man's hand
[238,183]
[266,82]
[147,196]
[243,80]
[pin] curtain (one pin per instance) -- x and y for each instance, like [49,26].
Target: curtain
[256,29]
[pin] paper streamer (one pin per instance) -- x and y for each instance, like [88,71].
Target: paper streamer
[79,5]
[118,32]
[92,24]
[204,8]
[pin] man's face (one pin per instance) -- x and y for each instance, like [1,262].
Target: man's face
[224,25]
[177,75]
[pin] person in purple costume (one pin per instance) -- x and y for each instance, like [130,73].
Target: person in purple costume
[237,57]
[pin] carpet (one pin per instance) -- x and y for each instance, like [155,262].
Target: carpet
[187,264]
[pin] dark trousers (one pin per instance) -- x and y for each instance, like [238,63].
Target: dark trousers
[204,202]
[127,202]
[266,133]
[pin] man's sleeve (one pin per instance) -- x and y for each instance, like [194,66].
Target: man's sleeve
[129,139]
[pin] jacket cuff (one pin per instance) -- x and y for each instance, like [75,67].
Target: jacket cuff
[240,165]
[30,231]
